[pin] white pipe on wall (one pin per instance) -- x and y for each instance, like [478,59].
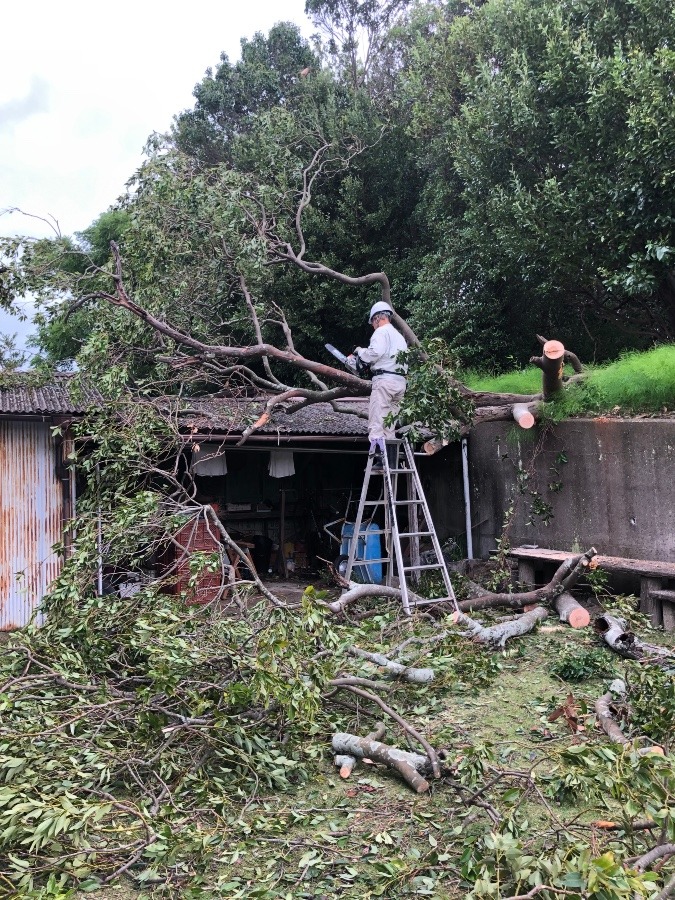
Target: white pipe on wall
[467,498]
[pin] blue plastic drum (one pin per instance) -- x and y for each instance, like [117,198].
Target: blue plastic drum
[369,547]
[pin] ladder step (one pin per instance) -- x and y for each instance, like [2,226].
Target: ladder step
[407,502]
[411,533]
[373,503]
[419,568]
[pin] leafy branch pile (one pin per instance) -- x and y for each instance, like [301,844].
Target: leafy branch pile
[147,739]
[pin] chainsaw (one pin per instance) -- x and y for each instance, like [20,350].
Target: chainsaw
[359,368]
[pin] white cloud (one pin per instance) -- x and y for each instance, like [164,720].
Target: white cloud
[82,86]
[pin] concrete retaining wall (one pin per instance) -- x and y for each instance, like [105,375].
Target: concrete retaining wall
[615,491]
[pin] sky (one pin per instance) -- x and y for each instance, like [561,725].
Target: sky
[83,85]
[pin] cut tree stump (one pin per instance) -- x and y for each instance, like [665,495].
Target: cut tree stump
[571,611]
[552,364]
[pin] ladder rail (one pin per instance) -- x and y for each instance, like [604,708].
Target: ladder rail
[419,524]
[427,514]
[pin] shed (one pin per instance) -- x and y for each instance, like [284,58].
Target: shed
[280,488]
[37,489]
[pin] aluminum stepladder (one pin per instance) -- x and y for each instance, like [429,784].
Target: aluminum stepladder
[419,523]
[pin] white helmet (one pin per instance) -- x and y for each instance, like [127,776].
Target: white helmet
[380,306]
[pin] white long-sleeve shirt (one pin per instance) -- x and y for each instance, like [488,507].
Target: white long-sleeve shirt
[380,354]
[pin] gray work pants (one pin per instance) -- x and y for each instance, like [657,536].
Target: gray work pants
[385,398]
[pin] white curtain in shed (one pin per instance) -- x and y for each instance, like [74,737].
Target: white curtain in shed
[208,459]
[281,463]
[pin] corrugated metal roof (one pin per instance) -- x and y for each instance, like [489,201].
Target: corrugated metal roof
[233,416]
[24,395]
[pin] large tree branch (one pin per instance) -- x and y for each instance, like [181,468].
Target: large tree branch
[358,386]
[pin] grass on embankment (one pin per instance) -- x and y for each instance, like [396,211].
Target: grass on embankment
[637,382]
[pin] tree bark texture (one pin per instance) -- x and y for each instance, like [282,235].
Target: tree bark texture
[408,765]
[498,635]
[409,673]
[571,612]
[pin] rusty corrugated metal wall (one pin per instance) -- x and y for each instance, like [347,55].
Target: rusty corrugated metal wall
[31,518]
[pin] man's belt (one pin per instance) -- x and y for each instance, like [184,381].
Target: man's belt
[386,372]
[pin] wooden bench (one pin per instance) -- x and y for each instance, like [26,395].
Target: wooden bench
[655,601]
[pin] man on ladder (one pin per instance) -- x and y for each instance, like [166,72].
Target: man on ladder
[389,382]
[389,386]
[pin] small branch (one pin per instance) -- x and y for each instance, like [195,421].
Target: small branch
[418,676]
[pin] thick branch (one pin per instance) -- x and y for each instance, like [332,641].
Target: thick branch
[256,352]
[498,635]
[567,574]
[408,765]
[419,676]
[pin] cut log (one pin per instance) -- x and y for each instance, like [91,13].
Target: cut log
[410,766]
[346,763]
[498,635]
[523,415]
[409,673]
[571,612]
[615,634]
